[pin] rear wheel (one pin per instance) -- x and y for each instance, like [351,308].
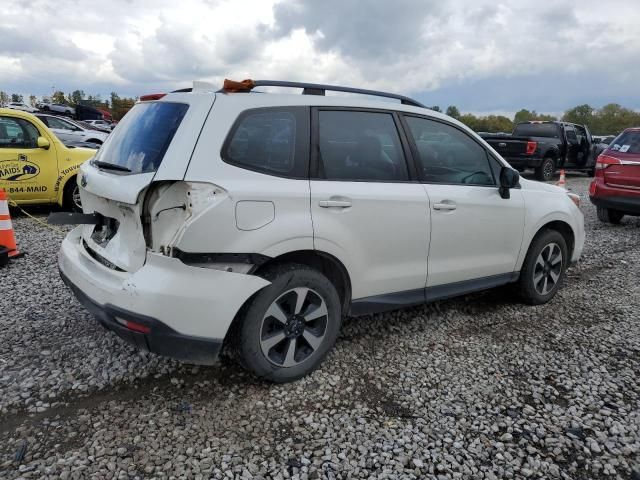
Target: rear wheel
[71,198]
[289,326]
[608,215]
[546,169]
[543,269]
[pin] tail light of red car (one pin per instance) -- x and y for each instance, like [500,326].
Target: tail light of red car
[531,147]
[605,161]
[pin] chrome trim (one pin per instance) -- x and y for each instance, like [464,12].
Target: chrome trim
[630,187]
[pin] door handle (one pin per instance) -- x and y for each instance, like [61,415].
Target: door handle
[334,203]
[445,205]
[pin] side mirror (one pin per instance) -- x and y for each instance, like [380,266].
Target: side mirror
[509,178]
[43,143]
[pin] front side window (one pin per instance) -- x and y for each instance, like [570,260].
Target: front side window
[360,146]
[54,122]
[448,155]
[17,133]
[264,141]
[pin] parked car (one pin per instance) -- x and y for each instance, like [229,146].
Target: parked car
[35,167]
[615,190]
[260,220]
[58,108]
[21,106]
[103,124]
[605,139]
[70,130]
[547,146]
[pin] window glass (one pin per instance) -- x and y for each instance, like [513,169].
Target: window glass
[549,130]
[54,122]
[360,146]
[264,141]
[17,133]
[448,155]
[571,134]
[627,142]
[144,136]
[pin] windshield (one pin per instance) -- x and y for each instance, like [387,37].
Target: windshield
[627,142]
[143,136]
[536,130]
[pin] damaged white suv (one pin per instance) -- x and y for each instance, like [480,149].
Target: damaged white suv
[259,220]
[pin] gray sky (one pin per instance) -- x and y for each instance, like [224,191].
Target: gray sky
[481,55]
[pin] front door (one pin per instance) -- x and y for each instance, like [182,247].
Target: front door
[365,209]
[27,173]
[476,235]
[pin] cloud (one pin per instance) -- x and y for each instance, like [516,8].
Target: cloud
[478,54]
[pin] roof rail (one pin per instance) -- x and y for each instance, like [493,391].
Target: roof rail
[320,89]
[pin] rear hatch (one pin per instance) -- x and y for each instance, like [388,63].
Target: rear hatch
[153,142]
[626,173]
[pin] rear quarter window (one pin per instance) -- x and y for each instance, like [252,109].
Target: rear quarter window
[274,141]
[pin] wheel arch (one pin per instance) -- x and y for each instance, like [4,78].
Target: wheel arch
[62,187]
[325,263]
[561,227]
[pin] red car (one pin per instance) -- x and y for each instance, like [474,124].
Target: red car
[615,190]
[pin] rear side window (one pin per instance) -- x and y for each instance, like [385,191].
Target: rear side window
[360,146]
[143,136]
[274,141]
[448,155]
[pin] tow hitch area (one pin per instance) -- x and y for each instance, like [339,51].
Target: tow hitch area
[71,218]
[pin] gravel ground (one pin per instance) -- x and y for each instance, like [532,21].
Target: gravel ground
[477,387]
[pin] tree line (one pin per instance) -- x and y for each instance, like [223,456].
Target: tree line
[115,104]
[608,120]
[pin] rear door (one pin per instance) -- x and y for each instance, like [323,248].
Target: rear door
[573,145]
[476,234]
[365,208]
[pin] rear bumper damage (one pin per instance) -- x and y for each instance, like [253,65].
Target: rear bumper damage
[165,307]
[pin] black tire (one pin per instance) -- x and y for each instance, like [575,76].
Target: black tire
[535,277]
[608,215]
[546,170]
[70,198]
[95,140]
[257,328]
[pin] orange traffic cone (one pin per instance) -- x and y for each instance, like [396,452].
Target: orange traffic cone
[7,237]
[563,181]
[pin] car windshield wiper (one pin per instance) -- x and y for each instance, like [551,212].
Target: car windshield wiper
[110,166]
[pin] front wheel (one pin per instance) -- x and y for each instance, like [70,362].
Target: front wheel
[544,267]
[608,215]
[546,170]
[290,325]
[71,198]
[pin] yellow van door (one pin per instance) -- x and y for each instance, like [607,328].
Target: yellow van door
[27,173]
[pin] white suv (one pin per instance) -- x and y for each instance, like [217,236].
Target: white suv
[259,220]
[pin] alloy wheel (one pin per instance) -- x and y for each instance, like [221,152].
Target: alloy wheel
[293,327]
[75,197]
[547,269]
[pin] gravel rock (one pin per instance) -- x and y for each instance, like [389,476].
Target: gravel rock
[475,387]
